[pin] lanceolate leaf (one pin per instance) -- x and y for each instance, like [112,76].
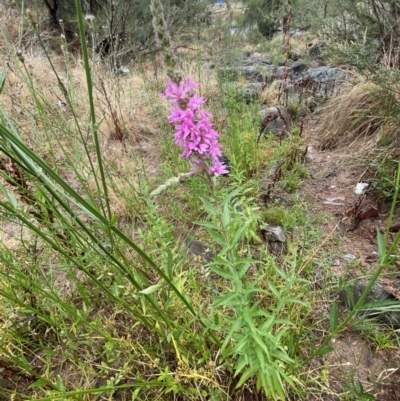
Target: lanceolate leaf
[2,80]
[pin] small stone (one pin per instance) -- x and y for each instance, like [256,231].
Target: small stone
[336,199]
[197,248]
[271,233]
[280,200]
[336,262]
[349,257]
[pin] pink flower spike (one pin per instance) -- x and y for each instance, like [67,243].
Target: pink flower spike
[195,101]
[218,168]
[193,128]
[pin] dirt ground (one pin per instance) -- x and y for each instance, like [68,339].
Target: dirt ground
[331,191]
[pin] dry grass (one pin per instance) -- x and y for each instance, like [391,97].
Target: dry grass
[53,134]
[9,27]
[361,118]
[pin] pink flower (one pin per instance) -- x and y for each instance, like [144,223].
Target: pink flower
[178,92]
[193,128]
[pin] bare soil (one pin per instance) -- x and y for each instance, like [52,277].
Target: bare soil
[330,191]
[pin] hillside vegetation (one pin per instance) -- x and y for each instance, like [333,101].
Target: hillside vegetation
[199,202]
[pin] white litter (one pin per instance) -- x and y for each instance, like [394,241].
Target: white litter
[360,188]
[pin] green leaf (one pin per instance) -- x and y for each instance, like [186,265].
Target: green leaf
[151,289]
[246,375]
[39,383]
[207,224]
[222,273]
[217,237]
[325,350]
[274,291]
[381,246]
[114,219]
[238,234]
[2,79]
[333,317]
[60,385]
[209,207]
[225,216]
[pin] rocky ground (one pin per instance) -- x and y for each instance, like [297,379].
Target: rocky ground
[338,188]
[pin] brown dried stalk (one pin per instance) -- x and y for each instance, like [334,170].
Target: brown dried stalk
[119,132]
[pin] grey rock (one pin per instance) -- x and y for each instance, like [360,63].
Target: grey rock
[285,85]
[252,92]
[271,233]
[299,67]
[265,61]
[280,200]
[277,120]
[198,249]
[325,81]
[253,61]
[295,54]
[316,64]
[280,72]
[378,292]
[250,72]
[316,49]
[325,74]
[349,257]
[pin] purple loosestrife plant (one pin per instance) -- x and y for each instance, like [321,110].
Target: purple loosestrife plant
[193,128]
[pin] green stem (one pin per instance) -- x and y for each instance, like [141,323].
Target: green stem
[94,127]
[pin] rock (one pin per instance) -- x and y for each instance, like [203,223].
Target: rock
[317,63]
[280,200]
[255,61]
[198,249]
[323,80]
[271,233]
[316,49]
[252,92]
[380,291]
[349,257]
[294,54]
[280,72]
[250,72]
[298,67]
[325,74]
[275,120]
[285,85]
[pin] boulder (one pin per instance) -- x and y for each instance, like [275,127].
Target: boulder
[316,49]
[280,72]
[324,74]
[250,72]
[275,120]
[382,290]
[299,67]
[252,92]
[323,80]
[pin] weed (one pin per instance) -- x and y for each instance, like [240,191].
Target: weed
[384,181]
